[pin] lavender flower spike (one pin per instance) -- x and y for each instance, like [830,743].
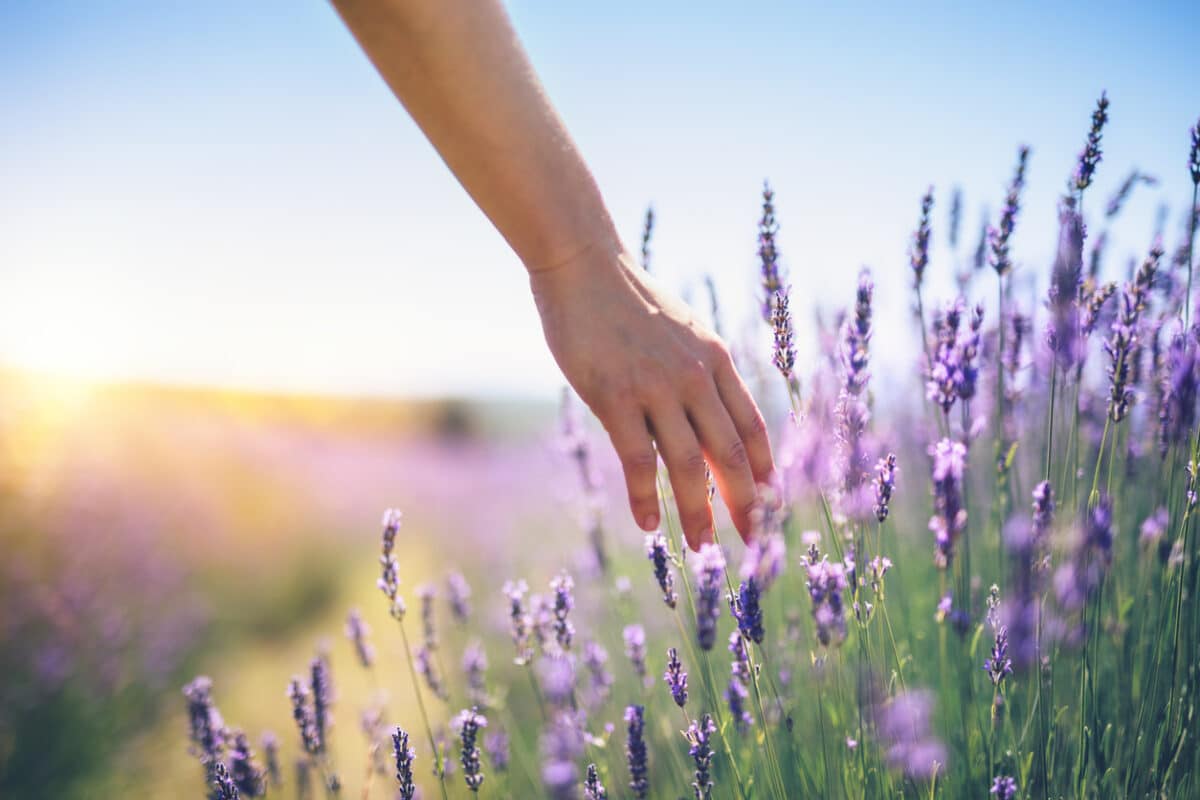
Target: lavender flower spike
[247,775]
[699,735]
[999,666]
[635,751]
[404,760]
[747,610]
[885,485]
[1004,787]
[635,648]
[709,567]
[460,596]
[206,728]
[768,255]
[223,787]
[357,632]
[468,725]
[1090,156]
[389,579]
[676,677]
[521,623]
[564,631]
[496,745]
[593,789]
[826,582]
[998,244]
[950,518]
[1120,345]
[1194,154]
[322,699]
[270,747]
[918,257]
[656,551]
[785,345]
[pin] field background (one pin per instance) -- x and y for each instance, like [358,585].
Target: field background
[228,533]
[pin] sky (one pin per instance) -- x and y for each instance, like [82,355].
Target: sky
[225,193]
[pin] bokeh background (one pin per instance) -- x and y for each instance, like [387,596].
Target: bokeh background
[244,307]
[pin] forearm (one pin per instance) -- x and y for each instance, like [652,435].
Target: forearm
[458,68]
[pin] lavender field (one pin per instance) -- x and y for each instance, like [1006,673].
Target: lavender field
[975,576]
[980,582]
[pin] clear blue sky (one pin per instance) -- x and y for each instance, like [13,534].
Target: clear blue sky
[225,192]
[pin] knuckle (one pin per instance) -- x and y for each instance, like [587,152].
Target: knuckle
[692,464]
[756,426]
[735,455]
[640,461]
[693,375]
[719,355]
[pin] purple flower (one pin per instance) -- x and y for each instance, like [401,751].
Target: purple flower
[460,596]
[885,485]
[764,558]
[858,336]
[736,695]
[1089,157]
[768,254]
[904,727]
[998,237]
[1004,787]
[955,217]
[1117,201]
[468,724]
[676,677]
[784,357]
[520,621]
[322,699]
[495,744]
[1093,305]
[404,756]
[699,735]
[222,784]
[1062,332]
[475,664]
[595,658]
[205,726]
[968,352]
[423,661]
[1194,154]
[564,601]
[1120,345]
[946,368]
[747,611]
[1092,555]
[635,750]
[656,551]
[999,666]
[826,582]
[593,789]
[918,256]
[246,774]
[270,747]
[303,715]
[562,745]
[709,567]
[1177,393]
[427,593]
[389,580]
[635,648]
[357,632]
[950,518]
[556,674]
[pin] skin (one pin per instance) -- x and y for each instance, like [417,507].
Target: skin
[659,381]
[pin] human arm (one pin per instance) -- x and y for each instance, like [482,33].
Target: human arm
[648,369]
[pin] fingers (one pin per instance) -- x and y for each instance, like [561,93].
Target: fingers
[746,419]
[686,467]
[727,455]
[626,427]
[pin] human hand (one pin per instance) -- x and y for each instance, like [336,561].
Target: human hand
[654,375]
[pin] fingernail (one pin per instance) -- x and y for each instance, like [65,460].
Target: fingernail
[650,522]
